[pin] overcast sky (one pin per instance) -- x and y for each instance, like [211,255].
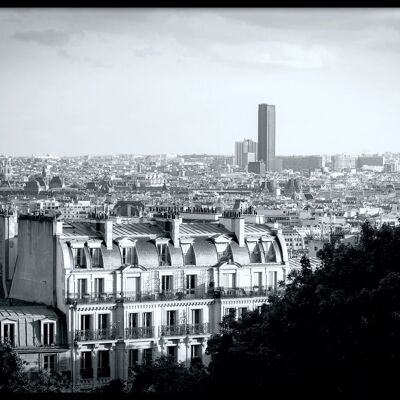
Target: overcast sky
[147,81]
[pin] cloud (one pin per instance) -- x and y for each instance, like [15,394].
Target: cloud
[48,37]
[147,52]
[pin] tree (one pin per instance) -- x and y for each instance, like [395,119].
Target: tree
[164,375]
[14,379]
[335,330]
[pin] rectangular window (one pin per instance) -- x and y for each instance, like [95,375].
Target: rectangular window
[95,255]
[190,284]
[230,311]
[133,285]
[48,333]
[272,279]
[103,366]
[172,352]
[86,365]
[195,352]
[82,287]
[49,363]
[171,317]
[133,320]
[229,280]
[86,322]
[147,355]
[147,320]
[103,320]
[133,357]
[9,333]
[98,286]
[79,257]
[166,283]
[196,316]
[257,279]
[242,311]
[163,254]
[127,255]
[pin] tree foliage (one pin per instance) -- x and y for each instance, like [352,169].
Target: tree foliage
[334,330]
[13,378]
[164,375]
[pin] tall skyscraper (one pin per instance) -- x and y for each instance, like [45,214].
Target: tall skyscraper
[245,152]
[266,135]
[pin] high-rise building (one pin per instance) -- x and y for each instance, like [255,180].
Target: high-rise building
[245,152]
[266,135]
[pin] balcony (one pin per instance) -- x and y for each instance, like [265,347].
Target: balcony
[255,291]
[50,342]
[185,329]
[82,335]
[90,298]
[86,373]
[139,332]
[175,294]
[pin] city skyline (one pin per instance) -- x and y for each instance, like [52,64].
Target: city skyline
[183,81]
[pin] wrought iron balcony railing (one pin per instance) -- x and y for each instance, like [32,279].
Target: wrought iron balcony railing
[139,332]
[54,341]
[167,295]
[184,329]
[95,334]
[255,291]
[88,298]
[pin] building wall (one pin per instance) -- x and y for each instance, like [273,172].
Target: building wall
[35,268]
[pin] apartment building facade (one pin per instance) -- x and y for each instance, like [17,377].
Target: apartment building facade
[131,292]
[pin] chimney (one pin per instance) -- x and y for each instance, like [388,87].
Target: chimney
[175,224]
[106,230]
[57,228]
[234,222]
[238,226]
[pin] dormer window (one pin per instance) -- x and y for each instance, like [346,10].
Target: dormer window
[128,251]
[79,258]
[129,256]
[96,257]
[78,254]
[224,252]
[164,257]
[254,250]
[187,251]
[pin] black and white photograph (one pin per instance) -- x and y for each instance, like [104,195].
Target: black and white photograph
[200,202]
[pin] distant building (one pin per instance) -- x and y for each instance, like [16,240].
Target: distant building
[300,163]
[5,169]
[257,167]
[245,152]
[370,161]
[266,135]
[343,161]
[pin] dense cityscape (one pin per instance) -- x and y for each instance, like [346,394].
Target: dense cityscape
[110,261]
[200,201]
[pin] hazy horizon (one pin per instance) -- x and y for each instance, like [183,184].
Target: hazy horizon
[189,81]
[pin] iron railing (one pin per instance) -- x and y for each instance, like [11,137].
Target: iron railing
[255,291]
[184,329]
[176,294]
[95,334]
[33,342]
[139,332]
